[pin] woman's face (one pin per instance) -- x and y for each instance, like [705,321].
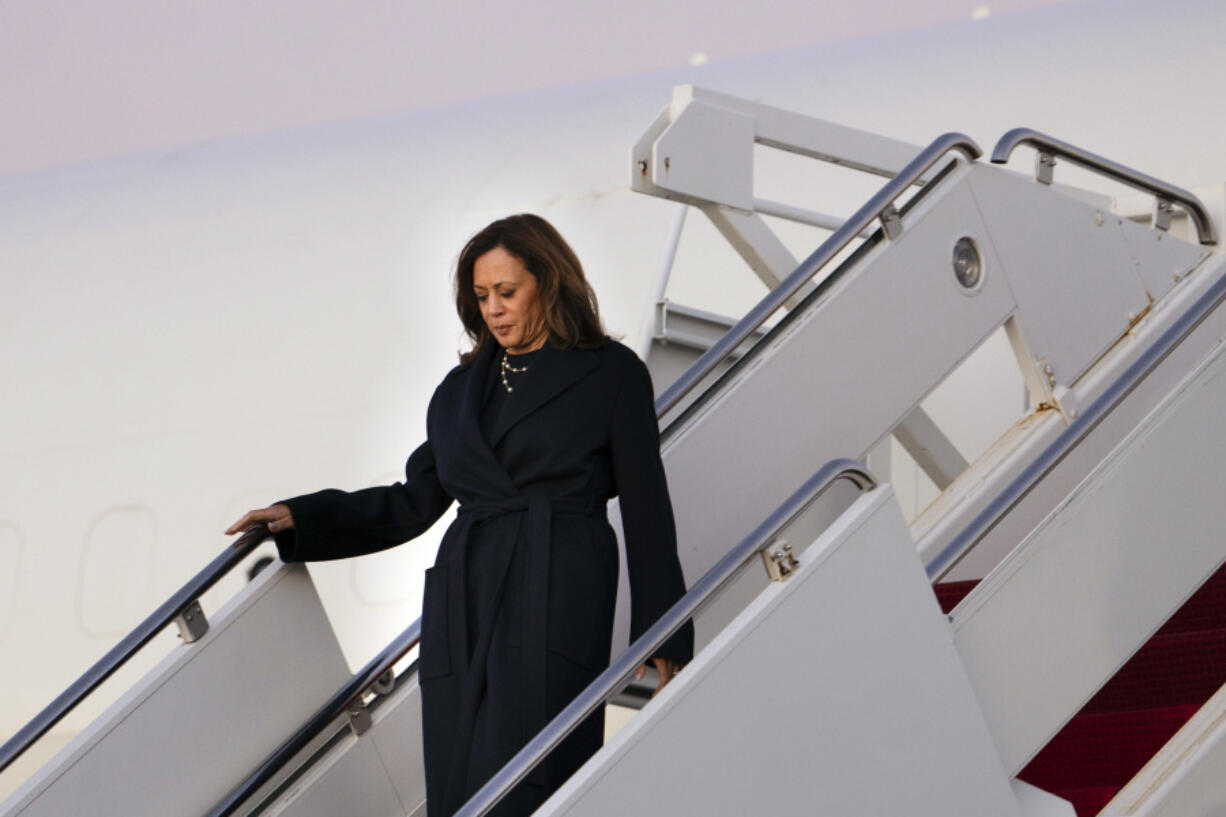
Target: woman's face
[506,293]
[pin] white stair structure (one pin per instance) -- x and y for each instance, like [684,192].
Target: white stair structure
[841,687]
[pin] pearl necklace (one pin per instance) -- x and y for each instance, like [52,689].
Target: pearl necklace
[507,367]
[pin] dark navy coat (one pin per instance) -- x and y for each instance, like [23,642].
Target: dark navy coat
[517,616]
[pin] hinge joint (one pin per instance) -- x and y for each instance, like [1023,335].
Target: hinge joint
[359,718]
[192,623]
[780,564]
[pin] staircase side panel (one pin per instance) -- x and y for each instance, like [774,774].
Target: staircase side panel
[837,380]
[1077,278]
[377,774]
[353,783]
[195,725]
[1006,459]
[835,692]
[1102,572]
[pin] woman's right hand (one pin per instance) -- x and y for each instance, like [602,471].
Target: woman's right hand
[277,517]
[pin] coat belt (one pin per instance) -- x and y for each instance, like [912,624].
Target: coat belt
[539,512]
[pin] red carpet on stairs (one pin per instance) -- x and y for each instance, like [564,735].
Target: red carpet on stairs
[1091,800]
[1135,713]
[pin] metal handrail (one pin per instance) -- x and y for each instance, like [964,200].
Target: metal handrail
[609,681]
[338,705]
[1017,490]
[119,655]
[880,206]
[1050,147]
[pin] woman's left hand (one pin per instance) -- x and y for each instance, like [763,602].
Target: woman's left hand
[666,668]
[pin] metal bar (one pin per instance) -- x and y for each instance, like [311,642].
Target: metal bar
[1053,147]
[125,649]
[801,216]
[932,451]
[336,707]
[609,681]
[754,241]
[670,252]
[1017,490]
[797,133]
[831,247]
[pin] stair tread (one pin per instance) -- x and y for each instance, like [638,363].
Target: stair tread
[950,593]
[1169,670]
[1139,709]
[1103,749]
[1204,610]
[1089,801]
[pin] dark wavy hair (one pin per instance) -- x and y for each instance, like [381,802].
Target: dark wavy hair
[566,300]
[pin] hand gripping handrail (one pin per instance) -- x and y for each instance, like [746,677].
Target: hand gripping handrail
[880,206]
[1049,148]
[609,681]
[337,706]
[1087,421]
[181,603]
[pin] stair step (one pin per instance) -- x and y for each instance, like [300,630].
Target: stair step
[950,593]
[1104,749]
[1205,610]
[1090,801]
[1139,709]
[1169,670]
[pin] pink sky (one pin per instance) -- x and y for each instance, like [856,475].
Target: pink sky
[82,79]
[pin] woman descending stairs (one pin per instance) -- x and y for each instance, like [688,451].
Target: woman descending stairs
[1135,713]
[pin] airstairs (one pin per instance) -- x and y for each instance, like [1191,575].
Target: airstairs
[1070,660]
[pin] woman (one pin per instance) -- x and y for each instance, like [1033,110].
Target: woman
[543,421]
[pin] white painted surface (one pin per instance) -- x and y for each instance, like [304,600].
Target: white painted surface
[117,572]
[817,392]
[160,310]
[181,738]
[848,699]
[1064,611]
[10,568]
[356,784]
[1069,319]
[377,774]
[1034,802]
[1005,459]
[703,137]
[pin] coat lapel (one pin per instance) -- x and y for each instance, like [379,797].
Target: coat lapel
[551,373]
[479,453]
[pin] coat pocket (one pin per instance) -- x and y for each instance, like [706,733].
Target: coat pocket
[435,652]
[582,593]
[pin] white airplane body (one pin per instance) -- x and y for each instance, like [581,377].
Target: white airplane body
[197,332]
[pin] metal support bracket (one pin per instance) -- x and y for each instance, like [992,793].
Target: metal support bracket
[1163,210]
[385,684]
[697,329]
[700,151]
[781,563]
[891,222]
[930,448]
[359,718]
[757,245]
[192,623]
[1044,167]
